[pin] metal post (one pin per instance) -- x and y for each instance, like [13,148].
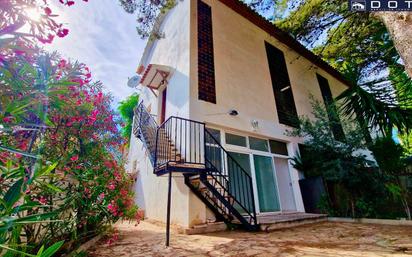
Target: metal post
[169,200]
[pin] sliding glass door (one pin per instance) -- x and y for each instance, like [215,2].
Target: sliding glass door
[262,159]
[266,184]
[237,181]
[287,198]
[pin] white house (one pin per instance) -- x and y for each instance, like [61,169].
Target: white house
[227,85]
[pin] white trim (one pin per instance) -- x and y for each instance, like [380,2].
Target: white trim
[251,152]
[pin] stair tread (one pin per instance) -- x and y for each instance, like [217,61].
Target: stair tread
[189,165]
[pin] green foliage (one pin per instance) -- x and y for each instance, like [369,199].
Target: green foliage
[148,12]
[356,186]
[355,43]
[126,110]
[16,208]
[324,206]
[60,180]
[359,46]
[406,143]
[370,108]
[389,155]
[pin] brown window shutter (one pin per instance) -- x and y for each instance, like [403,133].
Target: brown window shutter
[206,64]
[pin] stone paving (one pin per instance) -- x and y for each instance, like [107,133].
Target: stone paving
[321,239]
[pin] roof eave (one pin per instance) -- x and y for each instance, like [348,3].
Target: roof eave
[245,11]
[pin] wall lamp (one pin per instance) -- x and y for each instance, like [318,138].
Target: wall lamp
[233,113]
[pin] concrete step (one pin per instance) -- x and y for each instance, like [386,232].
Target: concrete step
[283,221]
[206,228]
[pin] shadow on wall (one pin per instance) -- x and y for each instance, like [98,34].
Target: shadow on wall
[178,94]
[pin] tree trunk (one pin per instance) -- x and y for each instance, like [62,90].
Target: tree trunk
[399,25]
[407,209]
[404,199]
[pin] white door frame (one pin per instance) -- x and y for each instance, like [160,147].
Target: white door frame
[257,204]
[251,152]
[289,176]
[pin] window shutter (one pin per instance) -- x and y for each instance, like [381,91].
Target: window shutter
[336,126]
[285,103]
[206,65]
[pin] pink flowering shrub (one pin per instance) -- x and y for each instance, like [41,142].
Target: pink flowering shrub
[65,174]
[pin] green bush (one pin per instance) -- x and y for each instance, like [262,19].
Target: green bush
[357,187]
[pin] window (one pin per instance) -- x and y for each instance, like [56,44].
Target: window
[206,65]
[335,124]
[214,133]
[285,103]
[213,151]
[278,147]
[258,144]
[235,140]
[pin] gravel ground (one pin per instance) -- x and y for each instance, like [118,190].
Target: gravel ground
[321,239]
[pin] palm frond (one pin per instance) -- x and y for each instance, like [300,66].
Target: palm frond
[379,114]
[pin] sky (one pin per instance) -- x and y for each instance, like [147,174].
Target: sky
[104,37]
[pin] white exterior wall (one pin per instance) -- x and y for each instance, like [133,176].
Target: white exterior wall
[243,81]
[173,51]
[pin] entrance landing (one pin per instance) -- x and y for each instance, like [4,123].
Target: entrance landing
[270,222]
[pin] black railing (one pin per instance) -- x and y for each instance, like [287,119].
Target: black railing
[180,140]
[184,142]
[229,175]
[145,128]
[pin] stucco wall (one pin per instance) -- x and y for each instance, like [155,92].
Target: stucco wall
[173,51]
[243,81]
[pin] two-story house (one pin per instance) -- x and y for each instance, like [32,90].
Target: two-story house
[219,91]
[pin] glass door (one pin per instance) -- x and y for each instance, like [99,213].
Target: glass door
[287,197]
[266,184]
[237,180]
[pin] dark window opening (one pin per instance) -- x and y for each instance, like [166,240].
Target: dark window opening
[285,103]
[278,147]
[332,111]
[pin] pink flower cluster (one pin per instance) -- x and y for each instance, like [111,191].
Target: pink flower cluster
[114,209]
[112,185]
[70,2]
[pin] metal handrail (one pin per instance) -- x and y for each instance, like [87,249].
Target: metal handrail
[251,213]
[182,140]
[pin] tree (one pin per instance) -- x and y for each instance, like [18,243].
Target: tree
[353,181]
[340,164]
[375,109]
[148,12]
[337,34]
[358,45]
[393,165]
[399,25]
[126,110]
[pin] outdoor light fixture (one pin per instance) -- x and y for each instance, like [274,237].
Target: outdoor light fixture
[255,124]
[233,112]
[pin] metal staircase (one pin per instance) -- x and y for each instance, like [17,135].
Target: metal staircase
[212,174]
